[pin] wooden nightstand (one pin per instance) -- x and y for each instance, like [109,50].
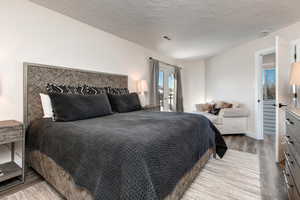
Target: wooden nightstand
[152,108]
[11,174]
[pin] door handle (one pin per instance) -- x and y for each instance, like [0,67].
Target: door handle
[280,105]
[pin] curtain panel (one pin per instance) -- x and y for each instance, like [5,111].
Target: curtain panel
[179,95]
[154,77]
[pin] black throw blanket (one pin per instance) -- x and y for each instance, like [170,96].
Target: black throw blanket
[130,156]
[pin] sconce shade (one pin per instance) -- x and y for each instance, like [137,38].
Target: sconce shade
[142,86]
[295,74]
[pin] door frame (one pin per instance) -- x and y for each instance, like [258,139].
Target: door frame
[258,90]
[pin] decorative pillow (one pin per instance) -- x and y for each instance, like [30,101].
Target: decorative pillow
[223,104]
[206,107]
[91,90]
[227,105]
[82,90]
[46,104]
[219,104]
[70,107]
[118,91]
[65,89]
[203,107]
[215,110]
[125,103]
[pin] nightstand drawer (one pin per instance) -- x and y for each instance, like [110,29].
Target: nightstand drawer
[12,135]
[293,127]
[293,167]
[290,184]
[293,148]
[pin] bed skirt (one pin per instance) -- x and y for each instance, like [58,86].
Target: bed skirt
[64,184]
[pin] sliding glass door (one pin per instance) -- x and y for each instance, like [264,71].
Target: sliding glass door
[167,88]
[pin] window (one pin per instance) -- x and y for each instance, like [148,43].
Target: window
[269,81]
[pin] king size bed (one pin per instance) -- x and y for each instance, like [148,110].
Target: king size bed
[138,155]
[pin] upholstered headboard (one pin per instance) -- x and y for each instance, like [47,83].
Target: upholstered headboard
[36,77]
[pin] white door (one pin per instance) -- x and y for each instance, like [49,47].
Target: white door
[283,66]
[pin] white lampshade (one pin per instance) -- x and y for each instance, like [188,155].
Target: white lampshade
[142,86]
[295,74]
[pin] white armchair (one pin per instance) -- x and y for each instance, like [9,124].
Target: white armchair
[229,120]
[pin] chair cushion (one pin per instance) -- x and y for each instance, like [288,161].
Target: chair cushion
[234,112]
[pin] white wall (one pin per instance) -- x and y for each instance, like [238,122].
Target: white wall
[30,33]
[193,81]
[231,75]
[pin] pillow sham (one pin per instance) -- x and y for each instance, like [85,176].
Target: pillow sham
[46,104]
[91,90]
[125,103]
[117,91]
[82,90]
[71,107]
[65,89]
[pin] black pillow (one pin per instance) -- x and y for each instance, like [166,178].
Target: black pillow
[125,103]
[70,107]
[214,110]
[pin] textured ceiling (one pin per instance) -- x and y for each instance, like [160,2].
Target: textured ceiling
[198,28]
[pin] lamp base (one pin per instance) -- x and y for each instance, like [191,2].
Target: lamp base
[142,97]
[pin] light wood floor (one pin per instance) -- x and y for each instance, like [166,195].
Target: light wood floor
[272,181]
[271,174]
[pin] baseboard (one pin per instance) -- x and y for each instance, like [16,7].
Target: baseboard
[253,135]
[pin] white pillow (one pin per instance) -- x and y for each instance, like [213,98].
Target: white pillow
[47,106]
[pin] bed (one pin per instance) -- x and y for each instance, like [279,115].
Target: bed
[136,155]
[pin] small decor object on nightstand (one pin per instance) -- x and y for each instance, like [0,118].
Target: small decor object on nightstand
[11,174]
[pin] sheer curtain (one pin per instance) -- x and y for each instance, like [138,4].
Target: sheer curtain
[154,77]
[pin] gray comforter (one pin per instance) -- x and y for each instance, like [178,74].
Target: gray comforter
[131,156]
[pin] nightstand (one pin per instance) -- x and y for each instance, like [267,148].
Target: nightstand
[152,108]
[11,174]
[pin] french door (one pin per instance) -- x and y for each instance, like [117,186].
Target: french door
[167,88]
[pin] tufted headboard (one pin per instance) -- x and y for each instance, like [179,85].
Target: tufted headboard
[36,77]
